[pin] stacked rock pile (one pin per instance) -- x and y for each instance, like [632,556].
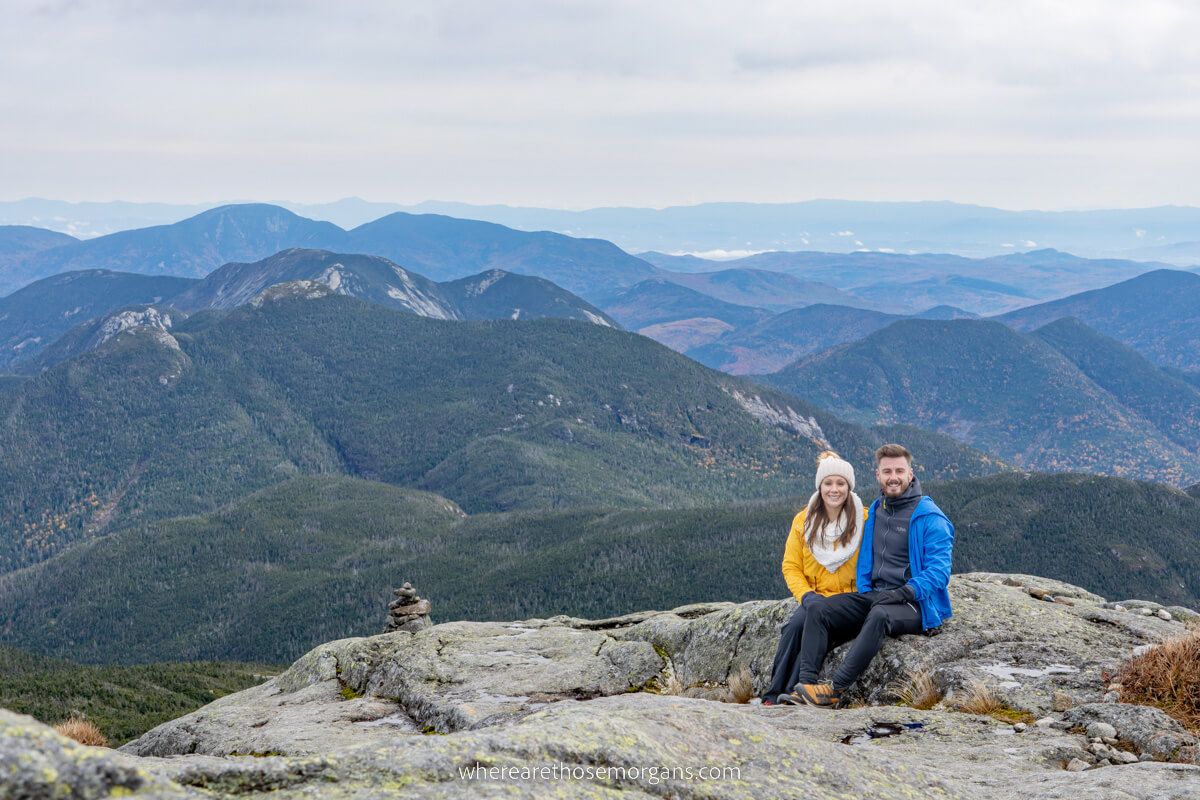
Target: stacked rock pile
[408,612]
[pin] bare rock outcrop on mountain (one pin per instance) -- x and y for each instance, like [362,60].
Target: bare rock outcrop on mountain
[635,693]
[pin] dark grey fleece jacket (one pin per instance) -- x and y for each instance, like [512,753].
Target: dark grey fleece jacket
[890,569]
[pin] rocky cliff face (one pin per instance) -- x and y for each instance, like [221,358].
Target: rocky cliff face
[636,695]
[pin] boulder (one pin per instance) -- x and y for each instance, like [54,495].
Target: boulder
[38,764]
[450,677]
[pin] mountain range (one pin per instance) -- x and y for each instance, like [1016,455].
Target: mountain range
[161,420]
[233,435]
[759,288]
[774,342]
[20,242]
[1165,233]
[282,438]
[494,294]
[1171,404]
[441,248]
[190,248]
[445,248]
[1157,313]
[907,283]
[35,322]
[777,341]
[1064,398]
[34,317]
[732,337]
[677,316]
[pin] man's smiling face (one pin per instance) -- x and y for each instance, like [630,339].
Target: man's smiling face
[894,475]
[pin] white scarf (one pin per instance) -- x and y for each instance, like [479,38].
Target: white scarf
[824,549]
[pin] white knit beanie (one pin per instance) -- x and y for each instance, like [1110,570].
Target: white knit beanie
[829,463]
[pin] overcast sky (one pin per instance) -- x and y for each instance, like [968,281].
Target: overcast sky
[578,104]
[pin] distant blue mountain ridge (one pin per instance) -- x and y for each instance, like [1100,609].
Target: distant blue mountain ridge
[441,248]
[1163,233]
[447,248]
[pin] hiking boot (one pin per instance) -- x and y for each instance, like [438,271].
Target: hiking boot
[821,695]
[792,699]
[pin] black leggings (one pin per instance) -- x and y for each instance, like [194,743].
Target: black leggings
[787,656]
[833,620]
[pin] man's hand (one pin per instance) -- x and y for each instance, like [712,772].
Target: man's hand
[889,596]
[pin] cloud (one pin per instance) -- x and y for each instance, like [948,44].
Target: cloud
[592,102]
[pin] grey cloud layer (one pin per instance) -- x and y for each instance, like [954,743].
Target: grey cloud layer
[582,103]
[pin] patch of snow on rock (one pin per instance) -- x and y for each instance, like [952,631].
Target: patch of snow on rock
[787,417]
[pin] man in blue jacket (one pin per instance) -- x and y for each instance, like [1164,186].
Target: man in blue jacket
[903,574]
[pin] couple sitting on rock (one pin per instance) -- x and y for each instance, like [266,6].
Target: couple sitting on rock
[859,575]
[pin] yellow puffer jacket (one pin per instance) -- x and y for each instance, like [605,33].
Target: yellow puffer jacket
[805,574]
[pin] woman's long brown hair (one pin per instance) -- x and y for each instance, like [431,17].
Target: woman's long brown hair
[817,515]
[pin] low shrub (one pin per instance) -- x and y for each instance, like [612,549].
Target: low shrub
[1167,677]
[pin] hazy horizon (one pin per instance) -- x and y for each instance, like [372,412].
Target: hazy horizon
[285,202]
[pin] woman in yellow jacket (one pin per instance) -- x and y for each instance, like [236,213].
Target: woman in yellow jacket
[819,560]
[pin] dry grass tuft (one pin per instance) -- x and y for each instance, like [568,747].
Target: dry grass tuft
[82,731]
[741,686]
[918,690]
[978,698]
[1168,677]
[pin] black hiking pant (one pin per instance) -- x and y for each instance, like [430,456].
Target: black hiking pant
[850,616]
[787,656]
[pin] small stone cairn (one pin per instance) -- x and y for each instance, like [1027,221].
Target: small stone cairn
[408,612]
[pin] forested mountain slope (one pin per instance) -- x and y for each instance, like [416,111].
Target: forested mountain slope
[34,317]
[1157,314]
[494,415]
[1006,393]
